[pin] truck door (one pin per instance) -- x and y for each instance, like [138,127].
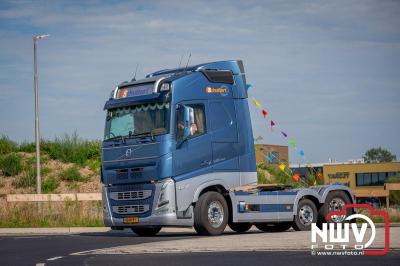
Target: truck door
[192,155]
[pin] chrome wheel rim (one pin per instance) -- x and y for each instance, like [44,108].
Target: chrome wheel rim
[215,214]
[306,215]
[337,204]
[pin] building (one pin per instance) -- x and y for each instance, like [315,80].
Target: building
[272,154]
[367,180]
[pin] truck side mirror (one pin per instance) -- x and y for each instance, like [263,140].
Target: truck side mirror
[185,119]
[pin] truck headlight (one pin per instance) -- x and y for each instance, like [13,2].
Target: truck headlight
[163,198]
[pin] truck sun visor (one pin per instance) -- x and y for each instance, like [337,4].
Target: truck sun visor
[218,76]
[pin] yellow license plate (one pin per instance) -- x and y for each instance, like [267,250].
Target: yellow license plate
[131,220]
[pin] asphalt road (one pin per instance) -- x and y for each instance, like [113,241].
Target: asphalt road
[229,259]
[32,250]
[176,247]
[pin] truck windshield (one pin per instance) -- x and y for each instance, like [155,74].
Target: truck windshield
[143,119]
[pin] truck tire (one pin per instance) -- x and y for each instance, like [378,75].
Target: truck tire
[334,202]
[305,216]
[240,227]
[146,231]
[210,214]
[274,227]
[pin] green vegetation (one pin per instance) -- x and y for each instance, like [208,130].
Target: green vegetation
[28,147]
[72,174]
[45,171]
[11,164]
[72,149]
[94,165]
[394,196]
[68,149]
[51,214]
[49,185]
[378,155]
[278,176]
[19,162]
[261,179]
[27,179]
[394,215]
[393,179]
[7,145]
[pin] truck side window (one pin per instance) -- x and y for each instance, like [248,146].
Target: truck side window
[197,128]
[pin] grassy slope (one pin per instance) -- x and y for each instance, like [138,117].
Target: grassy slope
[68,164]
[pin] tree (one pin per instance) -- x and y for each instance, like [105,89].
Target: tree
[378,155]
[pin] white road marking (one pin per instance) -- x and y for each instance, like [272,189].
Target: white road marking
[23,237]
[55,258]
[40,264]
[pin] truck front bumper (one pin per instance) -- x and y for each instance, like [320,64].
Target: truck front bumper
[163,211]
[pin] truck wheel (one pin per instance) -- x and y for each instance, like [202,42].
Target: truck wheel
[210,214]
[146,231]
[335,201]
[305,216]
[275,227]
[240,227]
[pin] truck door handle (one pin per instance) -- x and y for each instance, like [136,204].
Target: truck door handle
[205,163]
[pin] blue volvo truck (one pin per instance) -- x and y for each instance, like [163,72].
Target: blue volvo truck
[178,151]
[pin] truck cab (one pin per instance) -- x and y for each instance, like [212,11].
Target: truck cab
[177,145]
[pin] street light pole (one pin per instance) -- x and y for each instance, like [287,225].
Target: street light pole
[37,131]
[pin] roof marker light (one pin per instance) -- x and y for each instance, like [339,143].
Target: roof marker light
[165,87]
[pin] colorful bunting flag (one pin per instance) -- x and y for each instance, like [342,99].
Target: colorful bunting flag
[319,175]
[284,134]
[296,178]
[268,157]
[315,183]
[256,103]
[282,166]
[272,124]
[264,113]
[292,143]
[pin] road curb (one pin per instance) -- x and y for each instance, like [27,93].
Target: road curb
[51,231]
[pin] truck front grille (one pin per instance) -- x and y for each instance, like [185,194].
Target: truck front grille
[131,195]
[131,209]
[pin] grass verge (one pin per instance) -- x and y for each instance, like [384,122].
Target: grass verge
[11,164]
[51,214]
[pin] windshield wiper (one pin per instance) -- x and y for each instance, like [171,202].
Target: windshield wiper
[144,134]
[141,134]
[119,137]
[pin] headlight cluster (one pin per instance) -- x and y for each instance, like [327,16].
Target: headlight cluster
[163,198]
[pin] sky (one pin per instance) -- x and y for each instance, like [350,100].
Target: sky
[328,72]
